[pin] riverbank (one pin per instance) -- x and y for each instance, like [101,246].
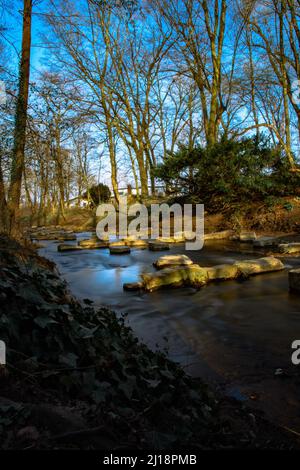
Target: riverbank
[275,216]
[77,377]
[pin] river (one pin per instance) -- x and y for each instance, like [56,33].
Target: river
[233,334]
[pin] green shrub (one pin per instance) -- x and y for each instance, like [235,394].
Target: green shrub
[230,171]
[97,194]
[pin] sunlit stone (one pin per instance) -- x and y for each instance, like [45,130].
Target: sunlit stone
[63,247]
[247,236]
[119,249]
[172,260]
[289,248]
[257,266]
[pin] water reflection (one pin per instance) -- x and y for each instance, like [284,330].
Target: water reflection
[234,333]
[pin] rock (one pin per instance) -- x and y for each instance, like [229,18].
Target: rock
[119,249]
[138,243]
[96,245]
[192,275]
[177,239]
[158,246]
[172,260]
[63,247]
[265,241]
[131,238]
[133,286]
[289,248]
[294,280]
[67,237]
[257,266]
[93,243]
[61,236]
[195,276]
[219,235]
[117,243]
[28,434]
[247,236]
[222,272]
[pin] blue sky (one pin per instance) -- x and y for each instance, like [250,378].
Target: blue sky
[11,20]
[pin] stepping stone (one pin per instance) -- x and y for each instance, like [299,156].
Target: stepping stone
[179,239]
[257,266]
[158,246]
[289,248]
[138,243]
[172,260]
[294,280]
[222,272]
[95,245]
[119,250]
[133,286]
[63,247]
[117,243]
[193,276]
[247,236]
[197,276]
[90,244]
[219,235]
[67,237]
[265,241]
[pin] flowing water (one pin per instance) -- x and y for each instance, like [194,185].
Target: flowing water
[234,334]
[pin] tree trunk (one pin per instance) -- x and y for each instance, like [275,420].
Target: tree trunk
[3,203]
[20,121]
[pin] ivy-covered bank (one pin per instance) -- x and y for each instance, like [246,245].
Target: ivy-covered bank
[77,377]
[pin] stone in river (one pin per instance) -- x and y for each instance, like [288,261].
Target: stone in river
[193,275]
[265,241]
[63,247]
[119,249]
[176,239]
[219,235]
[289,248]
[138,243]
[257,266]
[222,272]
[133,286]
[247,236]
[67,237]
[117,243]
[158,246]
[196,276]
[172,260]
[93,243]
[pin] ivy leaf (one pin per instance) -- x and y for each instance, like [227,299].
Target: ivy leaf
[69,359]
[43,321]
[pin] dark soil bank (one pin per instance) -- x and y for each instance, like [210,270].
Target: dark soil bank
[76,377]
